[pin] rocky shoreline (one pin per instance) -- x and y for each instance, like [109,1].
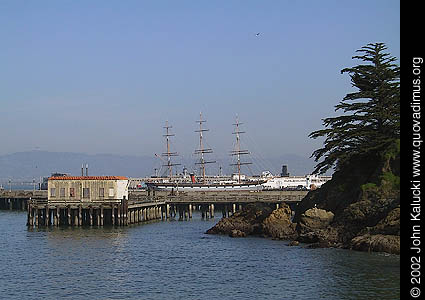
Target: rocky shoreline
[358,209]
[258,219]
[314,229]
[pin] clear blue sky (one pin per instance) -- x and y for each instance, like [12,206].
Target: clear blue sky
[104,76]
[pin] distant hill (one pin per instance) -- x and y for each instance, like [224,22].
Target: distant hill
[35,164]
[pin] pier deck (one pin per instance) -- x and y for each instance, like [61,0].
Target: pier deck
[140,207]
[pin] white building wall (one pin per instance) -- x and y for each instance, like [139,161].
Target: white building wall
[119,189]
[122,189]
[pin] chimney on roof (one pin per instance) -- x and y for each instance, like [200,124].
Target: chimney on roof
[87,169]
[82,170]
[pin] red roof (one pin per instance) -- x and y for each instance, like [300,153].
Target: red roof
[88,178]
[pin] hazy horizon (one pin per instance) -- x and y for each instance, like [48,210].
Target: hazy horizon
[104,76]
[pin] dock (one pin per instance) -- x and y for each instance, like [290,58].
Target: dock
[141,206]
[18,199]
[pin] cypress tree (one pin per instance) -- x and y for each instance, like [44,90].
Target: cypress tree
[370,122]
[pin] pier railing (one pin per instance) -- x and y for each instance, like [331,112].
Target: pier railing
[20,199]
[221,198]
[24,194]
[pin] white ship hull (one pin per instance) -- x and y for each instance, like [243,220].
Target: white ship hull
[199,187]
[308,182]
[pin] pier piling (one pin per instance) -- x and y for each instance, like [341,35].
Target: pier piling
[122,212]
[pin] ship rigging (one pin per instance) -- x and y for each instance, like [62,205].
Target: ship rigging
[201,151]
[218,183]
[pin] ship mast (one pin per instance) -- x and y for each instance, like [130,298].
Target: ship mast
[169,154]
[238,152]
[201,151]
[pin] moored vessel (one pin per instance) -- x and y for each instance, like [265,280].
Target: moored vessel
[237,182]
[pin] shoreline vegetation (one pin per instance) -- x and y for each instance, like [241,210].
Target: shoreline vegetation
[359,208]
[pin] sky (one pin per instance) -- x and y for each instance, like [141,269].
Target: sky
[105,76]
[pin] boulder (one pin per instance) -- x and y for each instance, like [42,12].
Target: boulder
[377,242]
[278,224]
[227,225]
[314,219]
[249,221]
[390,225]
[329,236]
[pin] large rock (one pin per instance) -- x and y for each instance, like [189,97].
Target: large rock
[247,221]
[314,219]
[384,237]
[329,236]
[390,225]
[258,219]
[313,227]
[377,242]
[278,224]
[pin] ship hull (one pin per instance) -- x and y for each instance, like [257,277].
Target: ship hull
[198,187]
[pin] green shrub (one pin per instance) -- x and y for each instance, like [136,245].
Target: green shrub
[391,179]
[368,186]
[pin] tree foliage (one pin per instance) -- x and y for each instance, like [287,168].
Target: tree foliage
[371,115]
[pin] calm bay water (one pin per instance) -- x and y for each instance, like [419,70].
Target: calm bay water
[176,260]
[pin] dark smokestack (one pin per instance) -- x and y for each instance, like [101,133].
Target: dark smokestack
[82,170]
[87,169]
[284,171]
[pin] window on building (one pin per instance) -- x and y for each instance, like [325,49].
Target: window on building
[71,192]
[101,192]
[62,193]
[86,193]
[111,192]
[53,192]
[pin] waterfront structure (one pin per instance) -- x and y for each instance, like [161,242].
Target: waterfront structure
[307,182]
[87,189]
[141,206]
[82,200]
[19,199]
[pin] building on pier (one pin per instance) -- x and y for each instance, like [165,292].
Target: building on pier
[87,188]
[81,200]
[99,201]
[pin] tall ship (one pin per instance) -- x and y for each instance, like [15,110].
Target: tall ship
[203,182]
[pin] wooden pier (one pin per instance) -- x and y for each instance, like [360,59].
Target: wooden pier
[140,207]
[18,200]
[118,213]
